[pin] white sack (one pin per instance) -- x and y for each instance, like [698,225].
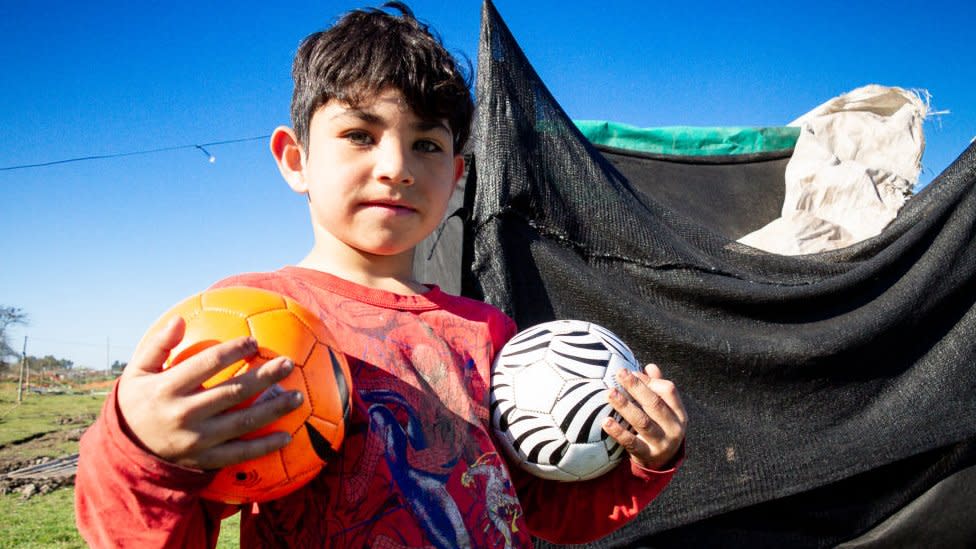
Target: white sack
[855,164]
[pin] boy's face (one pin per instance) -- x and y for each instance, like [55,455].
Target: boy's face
[378,177]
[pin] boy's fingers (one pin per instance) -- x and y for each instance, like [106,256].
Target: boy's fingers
[639,418]
[651,402]
[653,371]
[655,410]
[650,446]
[669,393]
[153,351]
[666,389]
[663,388]
[192,372]
[628,440]
[225,427]
[237,451]
[238,389]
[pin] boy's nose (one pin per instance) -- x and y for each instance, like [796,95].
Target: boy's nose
[391,165]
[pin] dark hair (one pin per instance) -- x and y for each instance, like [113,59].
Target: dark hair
[370,50]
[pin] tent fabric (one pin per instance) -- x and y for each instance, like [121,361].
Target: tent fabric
[826,392]
[689,140]
[853,167]
[928,521]
[736,207]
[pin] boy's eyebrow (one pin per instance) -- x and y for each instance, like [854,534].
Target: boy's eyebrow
[365,116]
[431,124]
[373,118]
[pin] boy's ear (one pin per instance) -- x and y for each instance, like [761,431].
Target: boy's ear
[458,167]
[290,156]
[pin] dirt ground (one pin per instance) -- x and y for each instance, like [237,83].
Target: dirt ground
[50,447]
[103,385]
[45,444]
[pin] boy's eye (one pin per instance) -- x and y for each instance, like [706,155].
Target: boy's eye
[359,137]
[427,146]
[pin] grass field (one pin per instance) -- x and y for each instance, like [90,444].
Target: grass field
[48,521]
[42,414]
[41,425]
[42,521]
[48,425]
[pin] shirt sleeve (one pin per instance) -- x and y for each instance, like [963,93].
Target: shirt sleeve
[127,497]
[603,504]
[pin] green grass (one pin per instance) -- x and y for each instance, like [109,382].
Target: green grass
[42,414]
[230,530]
[43,521]
[47,520]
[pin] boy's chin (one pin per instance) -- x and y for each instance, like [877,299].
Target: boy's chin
[381,245]
[386,250]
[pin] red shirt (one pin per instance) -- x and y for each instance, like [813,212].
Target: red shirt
[417,468]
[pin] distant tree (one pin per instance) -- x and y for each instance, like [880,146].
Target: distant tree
[9,316]
[49,362]
[118,366]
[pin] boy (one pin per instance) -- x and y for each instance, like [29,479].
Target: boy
[380,114]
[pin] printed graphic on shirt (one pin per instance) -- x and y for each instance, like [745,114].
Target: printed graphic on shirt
[418,467]
[502,508]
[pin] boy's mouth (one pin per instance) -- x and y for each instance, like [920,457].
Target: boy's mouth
[394,206]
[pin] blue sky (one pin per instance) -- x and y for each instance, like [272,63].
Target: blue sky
[94,251]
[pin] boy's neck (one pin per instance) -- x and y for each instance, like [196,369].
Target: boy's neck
[390,273]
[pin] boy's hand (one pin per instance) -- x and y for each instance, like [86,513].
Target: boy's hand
[655,411]
[169,414]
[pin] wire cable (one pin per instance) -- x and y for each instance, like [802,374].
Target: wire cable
[133,153]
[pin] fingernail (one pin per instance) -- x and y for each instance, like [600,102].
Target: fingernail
[625,374]
[297,397]
[614,394]
[287,366]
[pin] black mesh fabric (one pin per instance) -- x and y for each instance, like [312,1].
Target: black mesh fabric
[825,392]
[749,195]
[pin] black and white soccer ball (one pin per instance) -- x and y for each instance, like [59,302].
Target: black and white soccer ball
[549,388]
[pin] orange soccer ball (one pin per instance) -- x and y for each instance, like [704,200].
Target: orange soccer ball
[281,327]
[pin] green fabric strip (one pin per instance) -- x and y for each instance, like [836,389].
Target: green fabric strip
[689,140]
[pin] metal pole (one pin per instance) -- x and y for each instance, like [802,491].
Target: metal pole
[20,379]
